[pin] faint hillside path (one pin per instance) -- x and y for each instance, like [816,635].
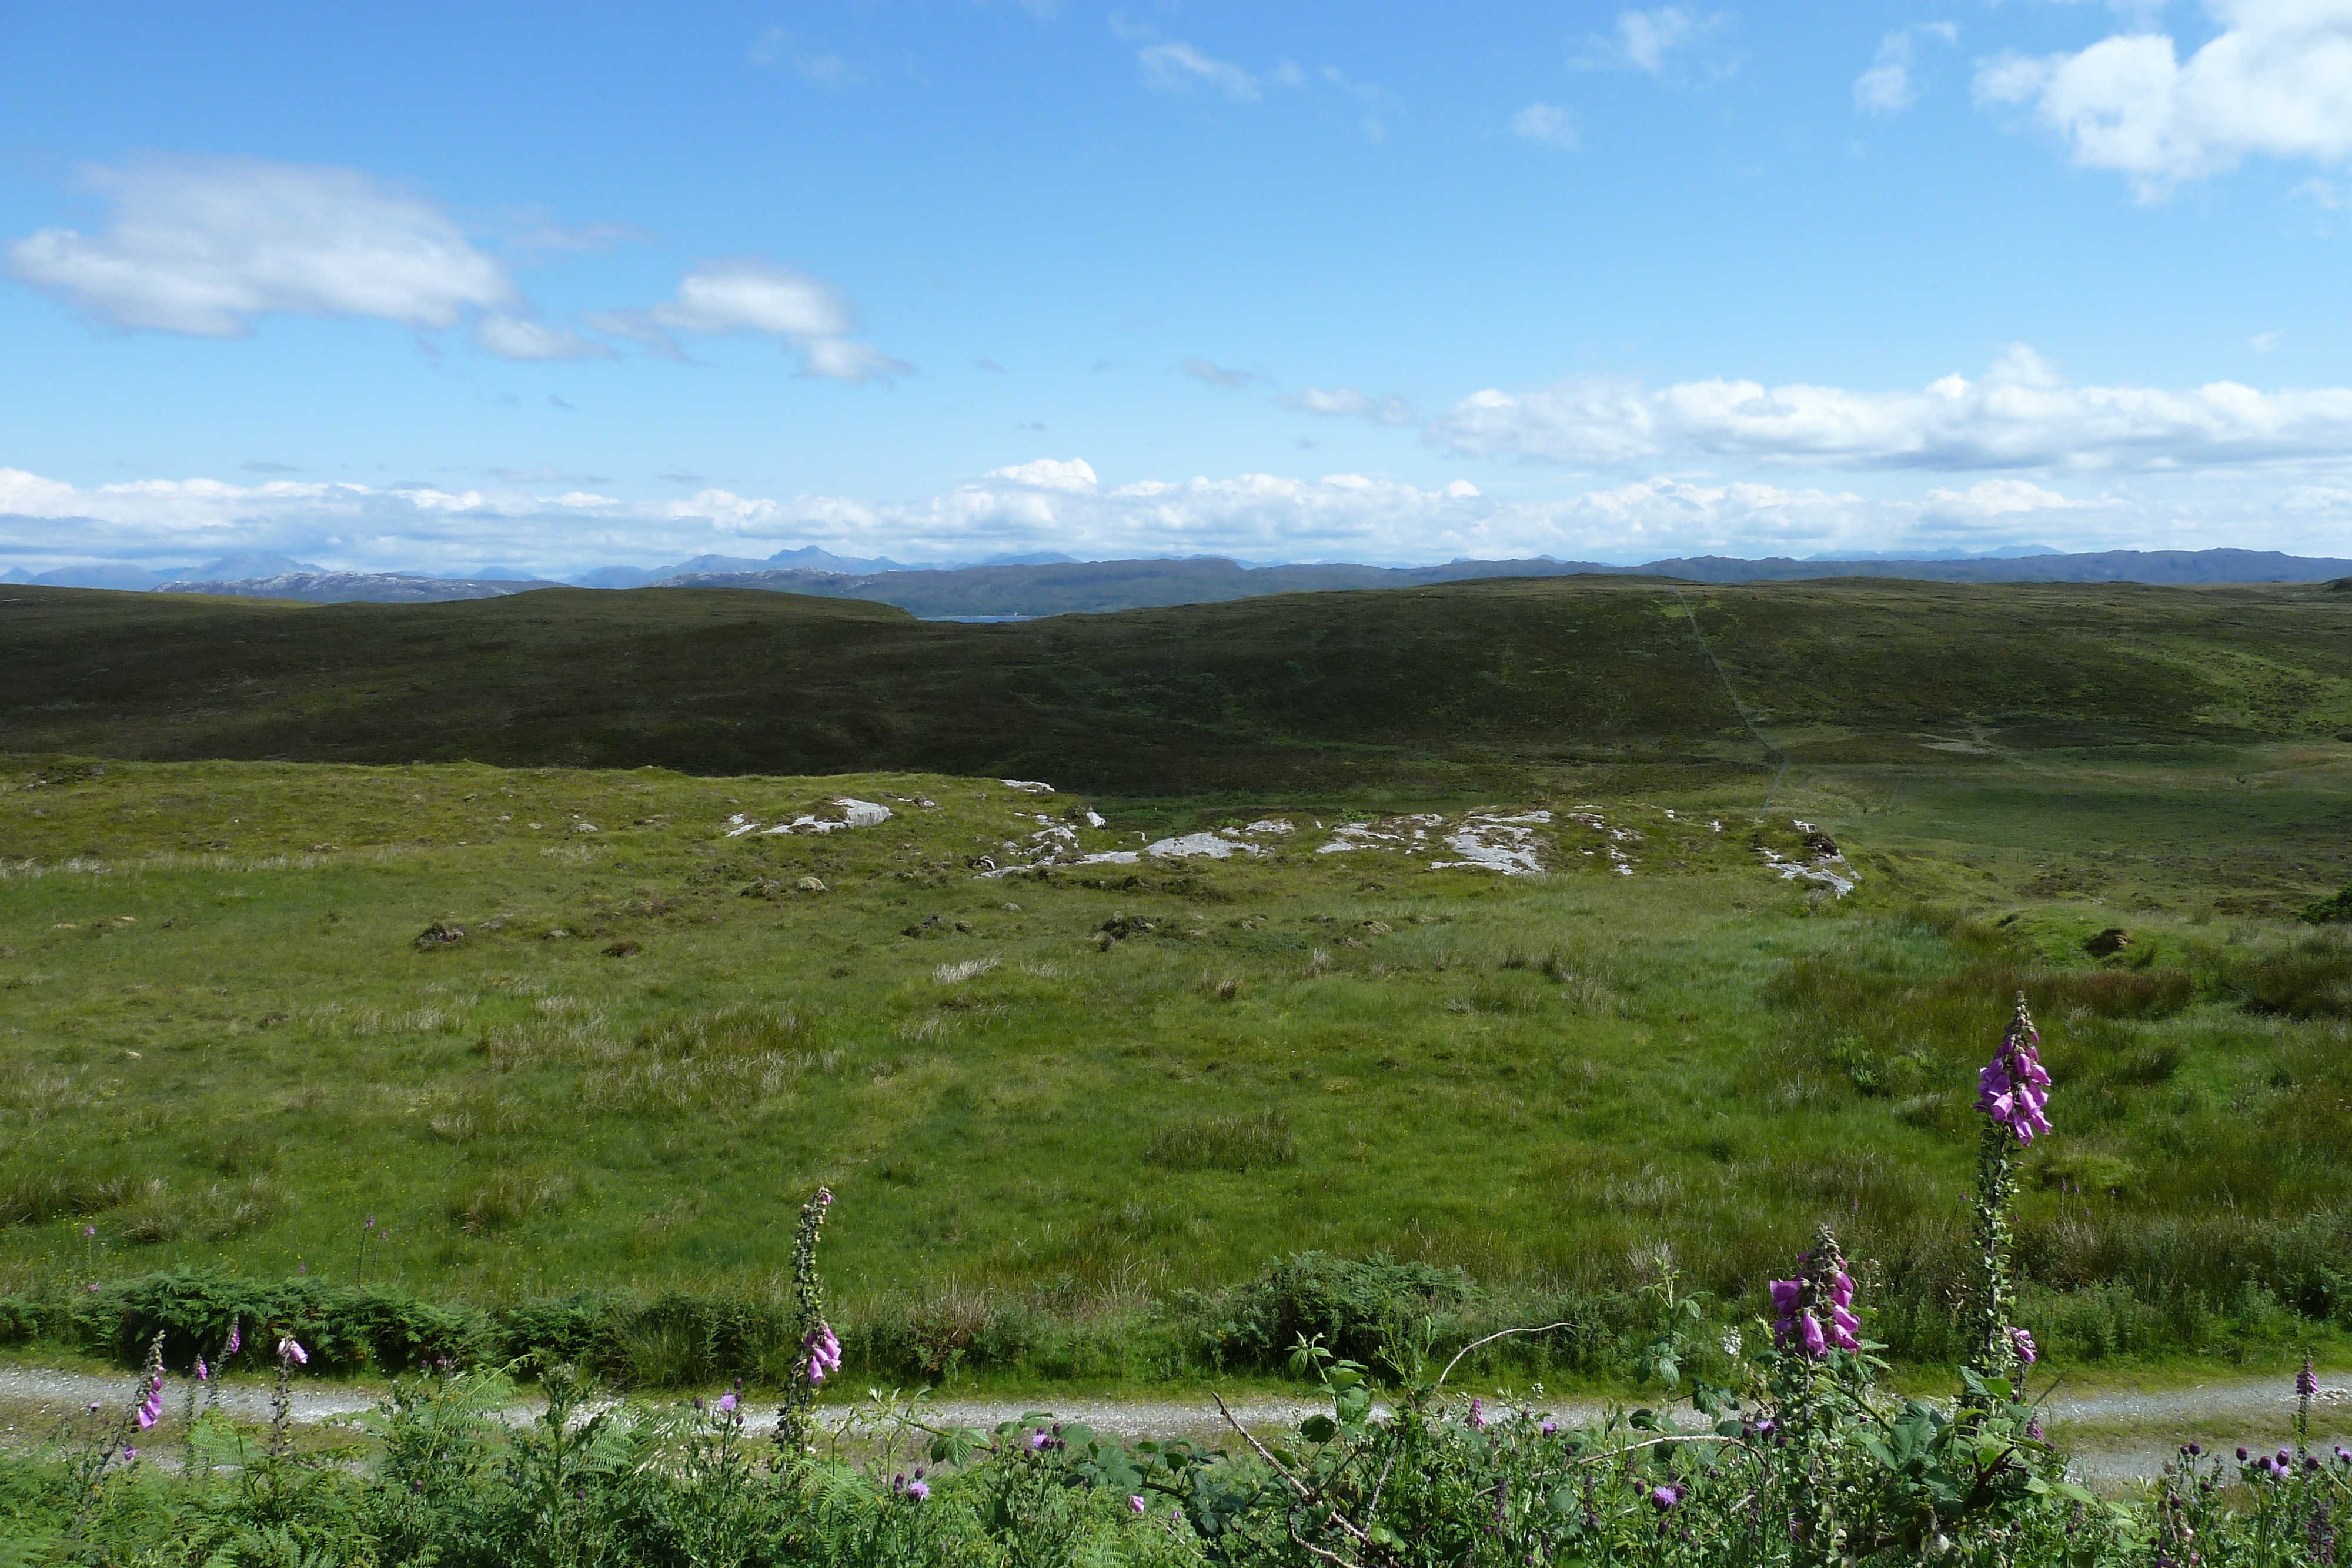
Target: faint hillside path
[2116,1436]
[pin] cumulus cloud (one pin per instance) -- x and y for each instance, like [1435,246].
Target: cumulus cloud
[2276,80]
[520,337]
[1547,125]
[2020,414]
[205,246]
[1887,87]
[1062,504]
[1347,402]
[1181,68]
[1654,40]
[732,296]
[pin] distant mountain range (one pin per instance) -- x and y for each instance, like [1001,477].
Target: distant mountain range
[1051,584]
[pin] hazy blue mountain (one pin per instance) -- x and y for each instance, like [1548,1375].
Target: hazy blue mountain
[362,587]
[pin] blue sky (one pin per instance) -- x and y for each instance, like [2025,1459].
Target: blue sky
[551,286]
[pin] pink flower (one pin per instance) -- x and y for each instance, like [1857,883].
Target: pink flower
[2013,1088]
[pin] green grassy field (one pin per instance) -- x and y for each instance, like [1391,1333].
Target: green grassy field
[224,1046]
[1079,1096]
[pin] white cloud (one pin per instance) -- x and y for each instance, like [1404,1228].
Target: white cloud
[725,298]
[776,45]
[1076,474]
[2020,414]
[1651,41]
[1347,402]
[1062,504]
[204,245]
[1181,68]
[520,338]
[1886,87]
[1216,375]
[1546,124]
[2276,80]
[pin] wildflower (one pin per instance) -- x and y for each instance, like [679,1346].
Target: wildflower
[1664,1497]
[2306,1384]
[2024,1343]
[291,1354]
[2013,1088]
[1135,1505]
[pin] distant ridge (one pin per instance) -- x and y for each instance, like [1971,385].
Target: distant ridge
[1108,585]
[1060,588]
[362,587]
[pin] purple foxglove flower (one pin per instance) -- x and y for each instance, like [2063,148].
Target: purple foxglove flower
[2024,1343]
[1135,1505]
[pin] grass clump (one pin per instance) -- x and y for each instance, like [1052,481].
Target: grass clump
[1262,1142]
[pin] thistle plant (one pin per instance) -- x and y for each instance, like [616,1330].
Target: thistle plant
[819,1351]
[2012,1092]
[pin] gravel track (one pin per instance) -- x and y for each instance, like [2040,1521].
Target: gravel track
[2116,1436]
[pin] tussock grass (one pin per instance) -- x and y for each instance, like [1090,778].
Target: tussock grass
[1224,1144]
